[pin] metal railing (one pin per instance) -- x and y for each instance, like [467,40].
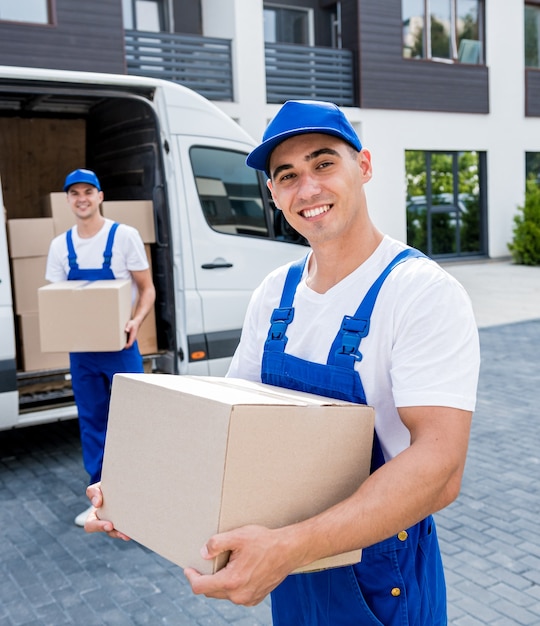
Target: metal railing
[203,64]
[308,72]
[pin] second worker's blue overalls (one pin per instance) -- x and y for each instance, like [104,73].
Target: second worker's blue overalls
[92,372]
[399,581]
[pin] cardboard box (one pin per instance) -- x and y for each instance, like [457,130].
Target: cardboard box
[32,357]
[55,205]
[147,335]
[136,213]
[84,316]
[30,237]
[28,276]
[212,454]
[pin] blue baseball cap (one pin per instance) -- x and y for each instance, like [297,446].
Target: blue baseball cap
[81,176]
[297,117]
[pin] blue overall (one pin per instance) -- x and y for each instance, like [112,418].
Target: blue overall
[399,581]
[92,372]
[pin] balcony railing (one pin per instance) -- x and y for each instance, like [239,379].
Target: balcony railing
[307,72]
[201,63]
[204,64]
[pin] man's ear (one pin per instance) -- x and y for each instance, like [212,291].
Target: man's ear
[269,185]
[364,161]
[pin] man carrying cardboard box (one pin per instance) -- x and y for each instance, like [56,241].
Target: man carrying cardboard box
[362,318]
[97,248]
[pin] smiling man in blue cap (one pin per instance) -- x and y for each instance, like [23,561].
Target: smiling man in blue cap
[365,318]
[97,248]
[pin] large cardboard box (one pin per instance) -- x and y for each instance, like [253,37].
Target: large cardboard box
[28,276]
[136,213]
[30,237]
[210,454]
[55,205]
[147,335]
[82,316]
[32,356]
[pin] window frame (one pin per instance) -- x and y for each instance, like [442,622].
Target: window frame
[218,204]
[310,20]
[51,17]
[440,218]
[533,4]
[164,13]
[456,49]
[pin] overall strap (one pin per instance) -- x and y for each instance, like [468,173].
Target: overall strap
[107,255]
[72,256]
[283,315]
[345,348]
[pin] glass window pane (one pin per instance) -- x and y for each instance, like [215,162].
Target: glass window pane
[532,165]
[35,11]
[443,202]
[127,9]
[147,16]
[442,211]
[270,26]
[286,25]
[532,30]
[412,12]
[468,17]
[229,192]
[470,217]
[468,21]
[440,29]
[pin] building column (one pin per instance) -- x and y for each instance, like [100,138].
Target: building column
[242,22]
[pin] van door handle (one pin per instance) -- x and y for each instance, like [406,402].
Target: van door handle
[216,265]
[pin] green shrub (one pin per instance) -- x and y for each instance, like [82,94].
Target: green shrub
[525,246]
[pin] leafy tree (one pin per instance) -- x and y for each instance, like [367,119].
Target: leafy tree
[525,246]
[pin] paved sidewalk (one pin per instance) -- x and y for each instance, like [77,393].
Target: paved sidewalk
[501,292]
[53,574]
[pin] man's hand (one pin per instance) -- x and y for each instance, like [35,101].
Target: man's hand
[131,330]
[95,525]
[257,564]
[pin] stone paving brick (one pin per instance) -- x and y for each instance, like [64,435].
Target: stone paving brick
[52,573]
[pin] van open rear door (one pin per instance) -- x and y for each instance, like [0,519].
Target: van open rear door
[9,397]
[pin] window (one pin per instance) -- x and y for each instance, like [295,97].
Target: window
[532,32]
[34,11]
[288,25]
[445,30]
[444,202]
[532,166]
[229,192]
[145,15]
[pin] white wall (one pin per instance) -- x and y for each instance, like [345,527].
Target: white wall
[505,134]
[241,21]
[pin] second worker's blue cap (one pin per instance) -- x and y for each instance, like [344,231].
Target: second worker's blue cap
[81,176]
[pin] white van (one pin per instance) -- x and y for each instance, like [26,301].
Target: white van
[216,232]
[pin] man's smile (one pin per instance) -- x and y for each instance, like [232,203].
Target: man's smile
[316,211]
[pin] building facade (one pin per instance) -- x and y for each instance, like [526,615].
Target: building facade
[445,94]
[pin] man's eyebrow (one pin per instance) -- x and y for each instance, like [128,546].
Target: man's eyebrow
[317,153]
[280,169]
[308,157]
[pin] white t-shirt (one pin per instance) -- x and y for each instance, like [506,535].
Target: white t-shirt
[422,348]
[128,254]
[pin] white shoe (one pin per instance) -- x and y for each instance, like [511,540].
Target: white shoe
[81,518]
